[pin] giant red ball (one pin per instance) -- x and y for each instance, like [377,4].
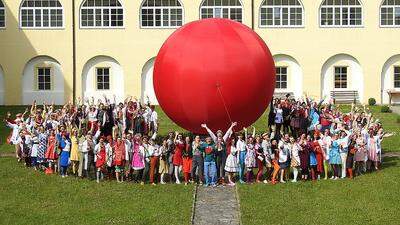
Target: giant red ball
[214,71]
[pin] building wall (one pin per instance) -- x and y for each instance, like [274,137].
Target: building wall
[309,47]
[19,46]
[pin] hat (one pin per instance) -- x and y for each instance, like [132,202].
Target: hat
[264,134]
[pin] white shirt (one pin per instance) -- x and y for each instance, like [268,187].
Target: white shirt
[85,146]
[154,150]
[241,145]
[35,147]
[15,132]
[284,149]
[92,116]
[154,117]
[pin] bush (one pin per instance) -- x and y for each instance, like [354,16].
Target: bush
[385,109]
[371,101]
[398,119]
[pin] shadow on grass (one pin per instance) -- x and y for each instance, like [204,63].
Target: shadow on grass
[389,162]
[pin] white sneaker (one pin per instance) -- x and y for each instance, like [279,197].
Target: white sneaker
[178,182]
[265,182]
[282,181]
[294,181]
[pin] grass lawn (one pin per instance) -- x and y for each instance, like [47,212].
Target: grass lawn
[30,197]
[370,199]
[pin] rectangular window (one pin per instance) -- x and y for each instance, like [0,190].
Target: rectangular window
[277,16]
[225,13]
[207,13]
[218,13]
[397,16]
[266,17]
[341,16]
[27,17]
[44,79]
[281,78]
[236,14]
[341,77]
[397,76]
[2,18]
[103,78]
[38,17]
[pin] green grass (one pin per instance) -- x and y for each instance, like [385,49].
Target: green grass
[369,199]
[30,197]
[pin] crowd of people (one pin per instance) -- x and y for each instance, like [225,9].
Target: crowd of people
[304,140]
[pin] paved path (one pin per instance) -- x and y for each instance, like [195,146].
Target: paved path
[395,109]
[216,206]
[7,154]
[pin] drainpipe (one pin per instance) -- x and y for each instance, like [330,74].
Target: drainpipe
[252,14]
[73,53]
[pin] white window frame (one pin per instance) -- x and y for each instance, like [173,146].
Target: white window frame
[282,6]
[222,8]
[280,81]
[162,18]
[44,83]
[34,27]
[394,14]
[5,16]
[102,20]
[334,77]
[109,79]
[394,76]
[341,7]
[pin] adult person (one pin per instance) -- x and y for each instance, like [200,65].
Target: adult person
[220,141]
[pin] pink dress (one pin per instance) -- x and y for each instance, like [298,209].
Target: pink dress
[360,154]
[137,157]
[372,153]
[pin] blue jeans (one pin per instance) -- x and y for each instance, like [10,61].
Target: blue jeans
[210,172]
[242,157]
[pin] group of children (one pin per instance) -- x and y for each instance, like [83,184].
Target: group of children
[306,140]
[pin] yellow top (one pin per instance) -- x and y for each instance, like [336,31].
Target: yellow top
[74,149]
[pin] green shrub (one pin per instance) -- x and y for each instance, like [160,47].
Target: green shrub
[398,119]
[371,101]
[385,109]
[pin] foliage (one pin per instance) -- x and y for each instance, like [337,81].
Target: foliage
[385,109]
[371,101]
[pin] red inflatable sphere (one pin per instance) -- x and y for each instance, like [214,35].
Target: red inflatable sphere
[214,71]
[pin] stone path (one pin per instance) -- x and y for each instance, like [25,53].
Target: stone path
[395,109]
[7,154]
[216,206]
